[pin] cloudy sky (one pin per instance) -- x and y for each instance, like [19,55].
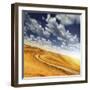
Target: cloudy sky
[56,30]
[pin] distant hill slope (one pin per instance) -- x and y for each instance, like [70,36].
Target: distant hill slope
[38,62]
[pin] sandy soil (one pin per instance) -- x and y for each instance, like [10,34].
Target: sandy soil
[38,62]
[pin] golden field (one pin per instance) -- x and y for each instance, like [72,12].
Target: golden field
[38,62]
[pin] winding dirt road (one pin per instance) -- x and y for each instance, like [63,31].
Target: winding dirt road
[38,62]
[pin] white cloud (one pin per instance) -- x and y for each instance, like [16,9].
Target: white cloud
[31,36]
[46,42]
[43,18]
[34,26]
[52,20]
[68,34]
[38,38]
[48,17]
[51,25]
[68,19]
[46,33]
[48,29]
[61,29]
[59,38]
